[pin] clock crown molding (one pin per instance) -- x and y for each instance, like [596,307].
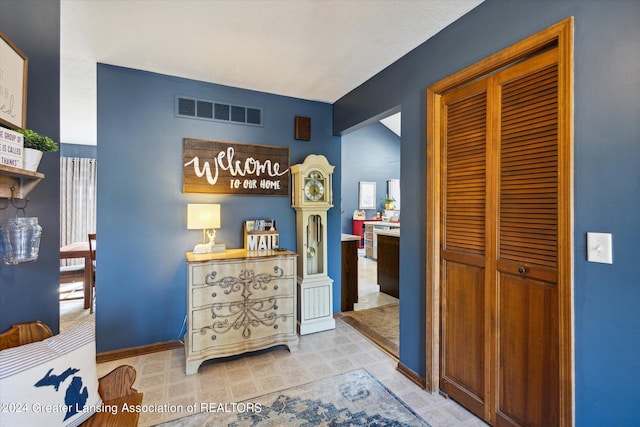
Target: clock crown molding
[314,162]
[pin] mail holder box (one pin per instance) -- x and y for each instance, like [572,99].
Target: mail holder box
[260,235]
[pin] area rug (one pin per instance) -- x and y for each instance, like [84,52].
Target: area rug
[353,399]
[380,324]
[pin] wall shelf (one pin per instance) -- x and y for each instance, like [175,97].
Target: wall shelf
[23,180]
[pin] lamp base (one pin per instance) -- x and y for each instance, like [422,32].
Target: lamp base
[207,248]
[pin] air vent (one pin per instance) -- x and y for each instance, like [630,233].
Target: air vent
[203,109]
[238,114]
[186,107]
[254,116]
[222,112]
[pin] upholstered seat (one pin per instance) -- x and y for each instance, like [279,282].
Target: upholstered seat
[115,388]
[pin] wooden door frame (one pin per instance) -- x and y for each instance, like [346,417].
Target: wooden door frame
[560,34]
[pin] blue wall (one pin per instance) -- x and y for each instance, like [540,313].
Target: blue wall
[607,181]
[368,154]
[30,291]
[141,208]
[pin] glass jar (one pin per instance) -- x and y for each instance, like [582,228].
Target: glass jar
[21,240]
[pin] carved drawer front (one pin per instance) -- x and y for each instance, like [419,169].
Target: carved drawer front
[201,274]
[238,323]
[240,288]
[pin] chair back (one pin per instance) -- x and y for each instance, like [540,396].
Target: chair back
[92,246]
[24,333]
[92,254]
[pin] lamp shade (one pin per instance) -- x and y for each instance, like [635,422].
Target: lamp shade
[203,216]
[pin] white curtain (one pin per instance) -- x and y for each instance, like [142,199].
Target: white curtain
[78,190]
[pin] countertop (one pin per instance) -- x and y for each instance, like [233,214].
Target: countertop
[383,223]
[348,237]
[393,233]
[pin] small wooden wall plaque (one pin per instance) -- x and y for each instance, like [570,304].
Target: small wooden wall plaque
[303,128]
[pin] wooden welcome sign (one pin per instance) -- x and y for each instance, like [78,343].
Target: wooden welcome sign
[230,168]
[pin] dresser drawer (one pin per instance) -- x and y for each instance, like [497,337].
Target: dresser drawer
[240,312]
[211,272]
[237,289]
[231,324]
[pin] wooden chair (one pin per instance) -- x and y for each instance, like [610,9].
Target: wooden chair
[92,253]
[115,388]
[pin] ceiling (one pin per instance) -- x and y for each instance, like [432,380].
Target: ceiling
[393,123]
[310,49]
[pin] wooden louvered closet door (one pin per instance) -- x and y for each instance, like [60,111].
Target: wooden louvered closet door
[499,245]
[463,291]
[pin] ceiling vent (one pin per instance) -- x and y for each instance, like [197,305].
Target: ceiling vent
[203,109]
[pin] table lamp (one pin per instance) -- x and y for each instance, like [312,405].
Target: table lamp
[207,218]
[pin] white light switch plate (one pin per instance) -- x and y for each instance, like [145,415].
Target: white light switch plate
[599,248]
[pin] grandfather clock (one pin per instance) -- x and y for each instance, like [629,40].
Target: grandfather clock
[312,197]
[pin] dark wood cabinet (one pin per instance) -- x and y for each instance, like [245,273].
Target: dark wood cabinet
[388,264]
[349,273]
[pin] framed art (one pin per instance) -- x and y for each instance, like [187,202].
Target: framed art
[367,195]
[13,84]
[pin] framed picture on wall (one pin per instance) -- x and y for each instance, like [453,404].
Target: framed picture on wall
[13,85]
[367,195]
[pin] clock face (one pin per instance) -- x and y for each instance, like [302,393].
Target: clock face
[314,187]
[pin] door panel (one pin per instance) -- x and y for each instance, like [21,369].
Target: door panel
[463,364]
[464,170]
[528,206]
[528,362]
[463,316]
[527,327]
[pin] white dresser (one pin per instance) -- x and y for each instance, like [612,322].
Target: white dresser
[239,301]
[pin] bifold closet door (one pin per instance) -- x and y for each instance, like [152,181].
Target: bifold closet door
[499,339]
[464,330]
[527,320]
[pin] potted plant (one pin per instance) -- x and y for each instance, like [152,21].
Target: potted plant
[388,202]
[34,145]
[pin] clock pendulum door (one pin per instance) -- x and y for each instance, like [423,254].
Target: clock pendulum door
[314,245]
[315,287]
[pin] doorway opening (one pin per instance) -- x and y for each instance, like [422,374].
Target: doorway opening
[78,196]
[371,210]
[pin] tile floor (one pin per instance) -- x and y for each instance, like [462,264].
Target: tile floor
[369,294]
[162,379]
[72,311]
